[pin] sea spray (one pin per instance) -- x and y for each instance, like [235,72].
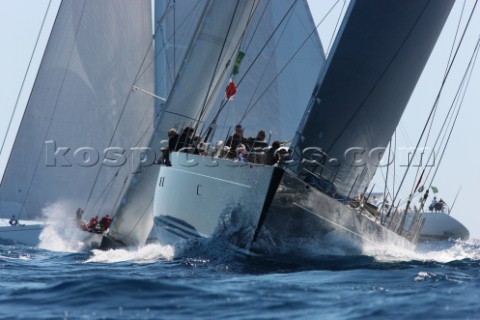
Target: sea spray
[61,232]
[145,254]
[443,251]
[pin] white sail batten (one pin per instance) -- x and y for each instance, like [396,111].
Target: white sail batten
[80,105]
[201,75]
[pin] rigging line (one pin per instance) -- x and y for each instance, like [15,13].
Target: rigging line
[54,108]
[444,129]
[438,96]
[327,52]
[225,122]
[25,77]
[174,36]
[237,49]
[119,196]
[456,31]
[141,137]
[289,61]
[124,108]
[223,51]
[388,169]
[394,163]
[123,187]
[224,103]
[151,122]
[157,28]
[147,128]
[473,61]
[139,72]
[180,25]
[264,73]
[404,133]
[362,104]
[452,107]
[258,25]
[436,106]
[386,192]
[196,33]
[107,187]
[137,222]
[446,144]
[267,41]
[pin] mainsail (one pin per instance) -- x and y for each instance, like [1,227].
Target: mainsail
[376,61]
[79,106]
[200,78]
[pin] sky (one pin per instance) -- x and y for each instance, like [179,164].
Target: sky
[20,25]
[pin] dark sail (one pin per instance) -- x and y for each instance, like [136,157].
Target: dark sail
[376,61]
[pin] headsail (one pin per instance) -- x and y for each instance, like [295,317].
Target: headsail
[209,58]
[275,90]
[360,96]
[81,100]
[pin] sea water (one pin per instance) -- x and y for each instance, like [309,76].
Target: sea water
[208,280]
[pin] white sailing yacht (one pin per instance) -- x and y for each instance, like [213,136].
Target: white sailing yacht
[82,119]
[376,60]
[25,232]
[440,226]
[196,48]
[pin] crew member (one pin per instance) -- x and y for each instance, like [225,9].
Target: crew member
[13,221]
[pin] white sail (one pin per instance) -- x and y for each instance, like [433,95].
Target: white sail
[81,100]
[175,25]
[201,76]
[278,72]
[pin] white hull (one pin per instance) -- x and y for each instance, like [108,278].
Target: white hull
[440,226]
[197,196]
[26,233]
[255,207]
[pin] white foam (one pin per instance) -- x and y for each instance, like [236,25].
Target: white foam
[442,252]
[61,233]
[146,254]
[21,257]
